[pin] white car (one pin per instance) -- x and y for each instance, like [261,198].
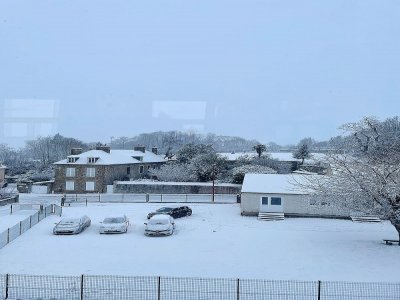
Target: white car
[160,225]
[114,225]
[72,225]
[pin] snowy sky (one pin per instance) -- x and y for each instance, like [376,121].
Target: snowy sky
[273,70]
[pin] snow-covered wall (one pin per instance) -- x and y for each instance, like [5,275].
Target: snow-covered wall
[175,188]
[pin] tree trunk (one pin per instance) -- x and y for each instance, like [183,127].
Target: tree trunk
[395,221]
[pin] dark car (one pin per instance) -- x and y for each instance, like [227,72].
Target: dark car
[175,212]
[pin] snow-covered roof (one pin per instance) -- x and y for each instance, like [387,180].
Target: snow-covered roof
[282,156]
[3,166]
[273,184]
[115,157]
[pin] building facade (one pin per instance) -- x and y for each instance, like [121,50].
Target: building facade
[272,193]
[92,171]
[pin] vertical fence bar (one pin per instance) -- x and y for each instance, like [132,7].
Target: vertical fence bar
[319,289]
[159,288]
[7,283]
[81,287]
[161,197]
[30,222]
[20,228]
[238,289]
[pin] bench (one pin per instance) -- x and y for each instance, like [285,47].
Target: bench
[390,242]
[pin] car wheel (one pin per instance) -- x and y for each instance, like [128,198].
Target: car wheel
[189,213]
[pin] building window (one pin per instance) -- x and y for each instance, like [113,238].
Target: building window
[128,170]
[92,160]
[70,172]
[264,200]
[90,186]
[70,185]
[139,158]
[90,172]
[141,169]
[148,167]
[72,159]
[276,201]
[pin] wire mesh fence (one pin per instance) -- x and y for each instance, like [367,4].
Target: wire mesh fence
[120,287]
[43,287]
[360,290]
[277,290]
[92,287]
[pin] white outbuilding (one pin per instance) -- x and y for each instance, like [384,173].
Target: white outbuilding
[280,193]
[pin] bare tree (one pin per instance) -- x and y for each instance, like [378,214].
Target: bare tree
[366,169]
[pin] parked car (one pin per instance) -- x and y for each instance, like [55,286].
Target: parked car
[114,225]
[72,225]
[175,212]
[160,225]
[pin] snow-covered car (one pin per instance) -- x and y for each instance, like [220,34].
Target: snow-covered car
[175,212]
[114,225]
[160,225]
[72,225]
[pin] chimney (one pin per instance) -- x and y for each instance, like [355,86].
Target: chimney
[154,150]
[104,148]
[140,148]
[76,151]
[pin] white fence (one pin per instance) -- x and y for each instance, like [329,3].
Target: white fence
[18,229]
[156,198]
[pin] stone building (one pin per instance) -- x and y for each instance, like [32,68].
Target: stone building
[2,174]
[92,171]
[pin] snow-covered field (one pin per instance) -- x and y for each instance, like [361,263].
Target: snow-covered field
[214,242]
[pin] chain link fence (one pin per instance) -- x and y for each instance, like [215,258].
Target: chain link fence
[171,288]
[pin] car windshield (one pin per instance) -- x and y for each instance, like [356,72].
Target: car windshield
[164,209]
[158,222]
[113,220]
[69,221]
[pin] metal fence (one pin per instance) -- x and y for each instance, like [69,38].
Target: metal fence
[72,199]
[18,229]
[87,287]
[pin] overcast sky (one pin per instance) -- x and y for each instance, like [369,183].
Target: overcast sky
[272,70]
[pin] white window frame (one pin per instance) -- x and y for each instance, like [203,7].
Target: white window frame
[90,186]
[70,185]
[70,172]
[92,160]
[90,172]
[72,159]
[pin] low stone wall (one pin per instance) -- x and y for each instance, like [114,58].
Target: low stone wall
[5,201]
[175,188]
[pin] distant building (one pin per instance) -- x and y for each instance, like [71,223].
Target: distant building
[92,171]
[279,193]
[2,174]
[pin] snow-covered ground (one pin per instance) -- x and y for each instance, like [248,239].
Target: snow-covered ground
[214,242]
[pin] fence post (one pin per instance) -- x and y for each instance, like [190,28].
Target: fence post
[7,284]
[8,235]
[147,197]
[159,288]
[81,287]
[86,201]
[99,198]
[186,198]
[30,222]
[238,289]
[161,197]
[20,227]
[319,289]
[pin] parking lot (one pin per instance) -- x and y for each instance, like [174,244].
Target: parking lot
[214,242]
